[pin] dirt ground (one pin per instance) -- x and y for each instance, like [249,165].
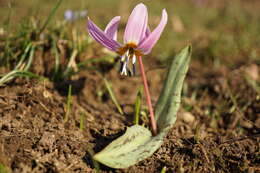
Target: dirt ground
[217,129]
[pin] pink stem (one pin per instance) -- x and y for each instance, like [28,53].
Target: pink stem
[148,97]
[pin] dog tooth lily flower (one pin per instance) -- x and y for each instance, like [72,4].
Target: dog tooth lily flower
[138,40]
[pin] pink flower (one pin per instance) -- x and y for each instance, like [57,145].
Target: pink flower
[138,40]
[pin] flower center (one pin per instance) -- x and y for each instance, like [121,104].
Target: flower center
[126,53]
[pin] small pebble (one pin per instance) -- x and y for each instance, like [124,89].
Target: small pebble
[187,117]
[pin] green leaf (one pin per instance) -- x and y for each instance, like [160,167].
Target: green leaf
[18,73]
[112,95]
[135,145]
[51,15]
[138,143]
[138,102]
[170,97]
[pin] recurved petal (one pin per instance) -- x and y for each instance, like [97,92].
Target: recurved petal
[111,28]
[146,45]
[136,25]
[98,35]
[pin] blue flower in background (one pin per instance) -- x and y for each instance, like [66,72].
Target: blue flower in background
[71,16]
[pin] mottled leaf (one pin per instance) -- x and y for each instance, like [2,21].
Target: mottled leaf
[170,97]
[135,145]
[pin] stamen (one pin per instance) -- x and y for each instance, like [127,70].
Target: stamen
[134,70]
[124,68]
[121,66]
[134,59]
[127,53]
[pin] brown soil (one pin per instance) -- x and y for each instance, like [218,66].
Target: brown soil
[217,131]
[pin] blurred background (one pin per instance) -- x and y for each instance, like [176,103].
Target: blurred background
[220,30]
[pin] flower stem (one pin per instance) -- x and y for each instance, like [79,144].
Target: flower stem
[148,97]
